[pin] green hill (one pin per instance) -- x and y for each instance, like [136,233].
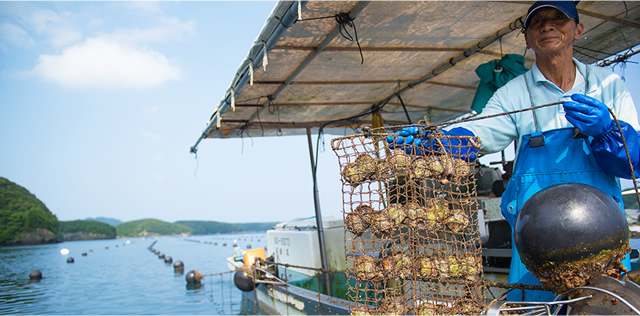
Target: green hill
[23,218]
[111,221]
[85,230]
[212,227]
[150,227]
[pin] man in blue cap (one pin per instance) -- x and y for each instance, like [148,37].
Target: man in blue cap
[548,153]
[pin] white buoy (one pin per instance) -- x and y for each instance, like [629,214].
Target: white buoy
[128,242]
[64,251]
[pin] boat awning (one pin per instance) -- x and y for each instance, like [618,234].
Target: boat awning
[406,60]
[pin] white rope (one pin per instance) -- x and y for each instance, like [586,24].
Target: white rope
[233,100]
[251,72]
[265,61]
[299,10]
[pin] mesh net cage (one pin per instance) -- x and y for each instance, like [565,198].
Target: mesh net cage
[412,244]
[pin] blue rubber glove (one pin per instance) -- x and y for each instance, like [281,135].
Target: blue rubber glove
[589,115]
[406,137]
[459,148]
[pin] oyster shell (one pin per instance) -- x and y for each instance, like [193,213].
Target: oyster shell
[412,211]
[426,267]
[462,168]
[381,223]
[361,310]
[430,219]
[427,308]
[382,170]
[396,213]
[398,161]
[455,270]
[364,268]
[366,212]
[355,224]
[439,207]
[395,305]
[367,164]
[448,165]
[354,174]
[434,165]
[471,266]
[420,169]
[402,265]
[384,268]
[457,221]
[443,267]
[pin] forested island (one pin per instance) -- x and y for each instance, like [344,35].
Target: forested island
[25,220]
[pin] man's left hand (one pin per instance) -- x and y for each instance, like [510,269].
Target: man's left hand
[589,115]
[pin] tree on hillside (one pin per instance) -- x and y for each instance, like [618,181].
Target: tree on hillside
[21,212]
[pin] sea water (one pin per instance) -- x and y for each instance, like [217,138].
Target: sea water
[123,277]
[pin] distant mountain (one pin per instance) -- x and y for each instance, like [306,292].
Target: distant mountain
[111,221]
[86,230]
[24,220]
[212,227]
[150,227]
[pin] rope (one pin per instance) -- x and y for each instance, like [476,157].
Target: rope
[626,149]
[344,19]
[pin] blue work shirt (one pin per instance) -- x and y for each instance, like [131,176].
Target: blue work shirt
[498,132]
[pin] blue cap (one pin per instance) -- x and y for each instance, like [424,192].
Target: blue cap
[567,7]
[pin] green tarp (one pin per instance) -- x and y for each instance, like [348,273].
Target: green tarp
[494,75]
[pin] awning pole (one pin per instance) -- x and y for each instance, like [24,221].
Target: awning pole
[316,200]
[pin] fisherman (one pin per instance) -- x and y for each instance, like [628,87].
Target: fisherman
[550,149]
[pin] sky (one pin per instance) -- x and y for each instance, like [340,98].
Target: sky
[101,101]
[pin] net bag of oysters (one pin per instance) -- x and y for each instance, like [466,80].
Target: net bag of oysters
[412,243]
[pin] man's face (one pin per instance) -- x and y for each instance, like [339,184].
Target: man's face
[551,32]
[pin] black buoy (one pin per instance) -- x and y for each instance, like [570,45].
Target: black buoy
[35,275]
[84,254]
[248,246]
[161,255]
[569,222]
[193,276]
[243,281]
[107,247]
[215,243]
[168,259]
[70,260]
[224,245]
[178,266]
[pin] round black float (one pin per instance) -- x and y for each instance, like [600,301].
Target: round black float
[168,259]
[70,260]
[178,266]
[569,222]
[243,281]
[84,254]
[161,255]
[193,276]
[248,246]
[35,275]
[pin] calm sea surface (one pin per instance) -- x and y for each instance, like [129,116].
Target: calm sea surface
[122,277]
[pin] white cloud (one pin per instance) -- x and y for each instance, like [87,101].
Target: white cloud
[103,63]
[58,28]
[14,34]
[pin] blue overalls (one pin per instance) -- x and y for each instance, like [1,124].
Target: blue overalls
[559,158]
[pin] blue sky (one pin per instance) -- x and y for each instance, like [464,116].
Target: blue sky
[100,102]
